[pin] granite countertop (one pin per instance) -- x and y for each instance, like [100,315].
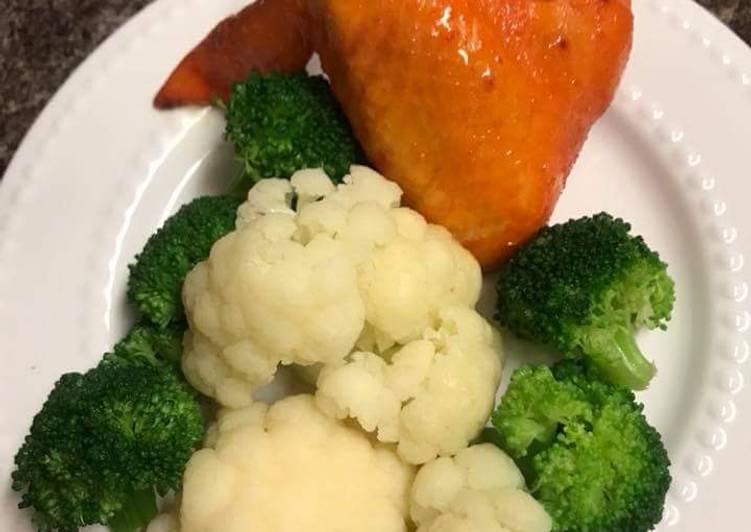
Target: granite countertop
[34,63]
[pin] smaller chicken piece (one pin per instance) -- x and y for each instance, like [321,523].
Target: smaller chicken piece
[266,36]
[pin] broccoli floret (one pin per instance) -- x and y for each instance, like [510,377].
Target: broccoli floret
[156,278]
[148,343]
[583,288]
[282,123]
[104,443]
[586,449]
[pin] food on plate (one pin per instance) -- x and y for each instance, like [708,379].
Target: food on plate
[106,440]
[588,453]
[164,522]
[266,36]
[280,124]
[432,397]
[346,266]
[156,278]
[148,343]
[478,490]
[103,443]
[584,287]
[289,468]
[477,110]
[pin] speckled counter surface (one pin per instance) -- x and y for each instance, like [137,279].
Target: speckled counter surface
[42,41]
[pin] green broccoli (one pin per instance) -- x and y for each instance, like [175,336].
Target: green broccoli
[281,123]
[156,278]
[104,443]
[583,288]
[588,453]
[148,343]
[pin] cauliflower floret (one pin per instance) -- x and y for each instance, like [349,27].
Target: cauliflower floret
[289,468]
[165,522]
[263,299]
[433,397]
[479,490]
[347,268]
[406,282]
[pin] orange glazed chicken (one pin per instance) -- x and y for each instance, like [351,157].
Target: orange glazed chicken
[476,108]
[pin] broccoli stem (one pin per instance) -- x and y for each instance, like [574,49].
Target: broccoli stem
[619,358]
[135,513]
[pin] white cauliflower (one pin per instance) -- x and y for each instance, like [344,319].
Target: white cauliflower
[290,468]
[165,522]
[433,396]
[348,267]
[479,490]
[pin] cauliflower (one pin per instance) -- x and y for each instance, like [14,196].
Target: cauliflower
[165,522]
[479,490]
[345,267]
[289,468]
[433,396]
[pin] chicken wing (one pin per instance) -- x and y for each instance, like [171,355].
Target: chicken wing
[268,35]
[477,108]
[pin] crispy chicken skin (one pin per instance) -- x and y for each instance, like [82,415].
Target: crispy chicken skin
[268,35]
[477,108]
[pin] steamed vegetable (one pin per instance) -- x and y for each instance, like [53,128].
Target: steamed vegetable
[148,343]
[584,287]
[346,266]
[432,397]
[106,440]
[346,271]
[104,443]
[290,468]
[282,123]
[186,238]
[587,451]
[478,490]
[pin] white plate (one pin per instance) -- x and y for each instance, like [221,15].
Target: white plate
[100,170]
